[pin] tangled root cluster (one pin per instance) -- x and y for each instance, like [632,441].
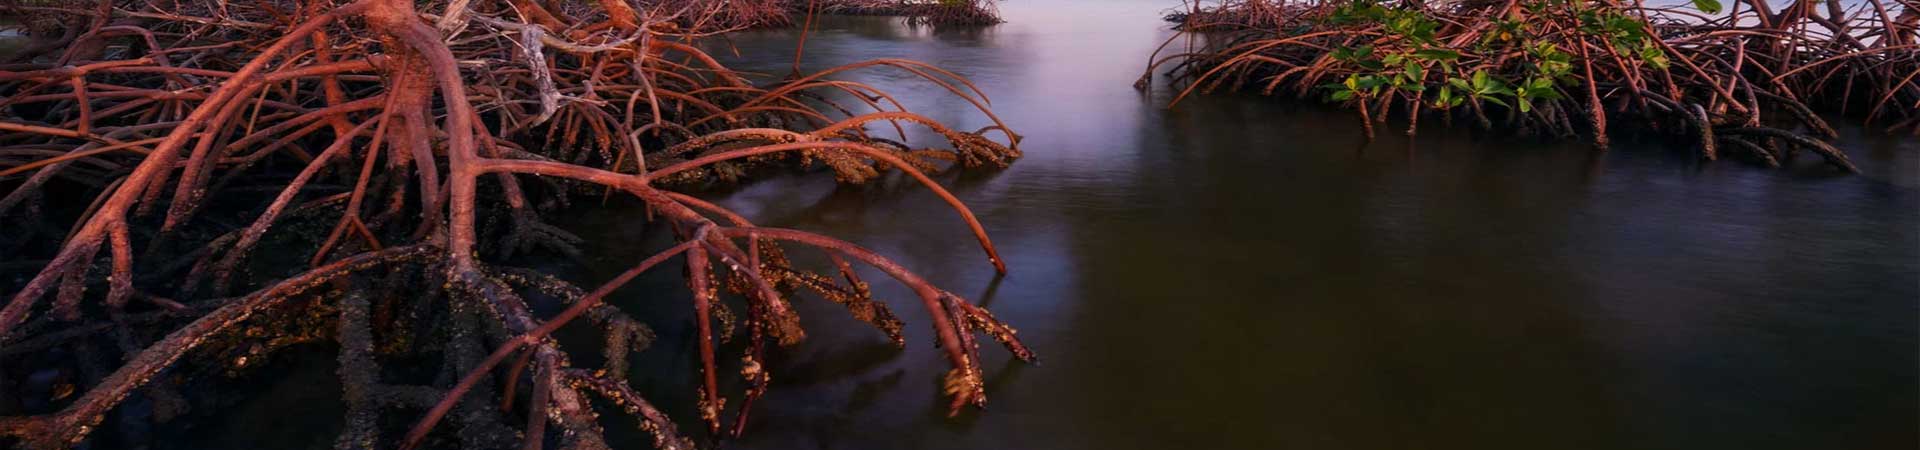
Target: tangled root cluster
[1749,79]
[395,155]
[930,12]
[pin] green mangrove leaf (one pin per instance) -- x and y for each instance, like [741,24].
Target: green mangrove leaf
[1654,56]
[1370,82]
[1440,54]
[1707,6]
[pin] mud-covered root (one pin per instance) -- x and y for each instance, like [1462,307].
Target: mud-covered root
[1703,125]
[665,435]
[359,374]
[854,295]
[1831,154]
[949,312]
[1758,152]
[984,321]
[72,424]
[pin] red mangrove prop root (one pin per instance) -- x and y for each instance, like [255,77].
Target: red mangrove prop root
[395,156]
[1691,72]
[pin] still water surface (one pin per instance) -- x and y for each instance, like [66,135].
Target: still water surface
[1238,273]
[1243,273]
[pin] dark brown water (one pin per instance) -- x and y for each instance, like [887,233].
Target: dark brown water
[1239,273]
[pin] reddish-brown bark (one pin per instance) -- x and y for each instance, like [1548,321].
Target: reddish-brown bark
[335,90]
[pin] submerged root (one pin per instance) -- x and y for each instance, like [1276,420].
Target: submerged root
[1832,154]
